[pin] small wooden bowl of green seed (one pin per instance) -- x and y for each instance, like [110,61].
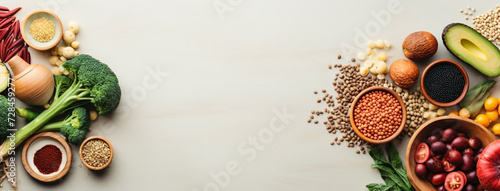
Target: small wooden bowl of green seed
[41,29]
[96,152]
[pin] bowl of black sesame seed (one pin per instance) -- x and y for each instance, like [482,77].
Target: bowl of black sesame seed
[444,83]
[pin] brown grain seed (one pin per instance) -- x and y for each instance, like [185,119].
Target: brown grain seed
[339,56]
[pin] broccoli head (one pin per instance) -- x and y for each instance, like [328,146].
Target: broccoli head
[94,83]
[62,83]
[74,127]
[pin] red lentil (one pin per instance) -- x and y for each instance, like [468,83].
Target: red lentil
[378,115]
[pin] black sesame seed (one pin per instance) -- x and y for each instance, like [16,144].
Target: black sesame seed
[444,83]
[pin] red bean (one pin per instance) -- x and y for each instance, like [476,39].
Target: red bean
[2,8]
[10,13]
[13,53]
[7,22]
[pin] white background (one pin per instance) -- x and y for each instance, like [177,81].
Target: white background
[199,82]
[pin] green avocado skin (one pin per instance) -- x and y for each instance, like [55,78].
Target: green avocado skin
[485,43]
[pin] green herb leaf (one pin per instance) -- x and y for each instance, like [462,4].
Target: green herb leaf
[378,156]
[388,172]
[475,97]
[397,164]
[379,187]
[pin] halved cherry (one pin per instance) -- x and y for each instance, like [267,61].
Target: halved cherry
[422,153]
[455,181]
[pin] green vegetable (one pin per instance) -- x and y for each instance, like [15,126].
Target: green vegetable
[94,82]
[392,171]
[74,127]
[4,116]
[475,97]
[26,113]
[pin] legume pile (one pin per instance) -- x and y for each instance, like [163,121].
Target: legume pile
[348,83]
[378,115]
[488,24]
[96,153]
[42,29]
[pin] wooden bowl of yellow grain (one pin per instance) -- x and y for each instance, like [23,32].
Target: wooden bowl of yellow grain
[41,29]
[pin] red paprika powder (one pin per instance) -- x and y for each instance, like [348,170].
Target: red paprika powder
[48,159]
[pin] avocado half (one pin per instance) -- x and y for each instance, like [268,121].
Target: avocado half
[4,77]
[473,48]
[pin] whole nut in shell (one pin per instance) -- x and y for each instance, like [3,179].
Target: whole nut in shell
[420,45]
[404,73]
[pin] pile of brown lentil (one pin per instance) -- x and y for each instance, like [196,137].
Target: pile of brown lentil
[348,83]
[42,29]
[96,153]
[378,115]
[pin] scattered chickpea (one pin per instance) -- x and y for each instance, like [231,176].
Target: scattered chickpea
[380,44]
[53,60]
[55,71]
[73,27]
[68,37]
[93,115]
[68,52]
[75,44]
[53,51]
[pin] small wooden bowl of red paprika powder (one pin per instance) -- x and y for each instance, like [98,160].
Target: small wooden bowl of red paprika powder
[46,157]
[364,131]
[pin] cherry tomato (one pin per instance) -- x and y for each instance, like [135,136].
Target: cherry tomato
[453,113]
[483,120]
[492,115]
[447,166]
[464,113]
[455,181]
[491,103]
[496,129]
[422,153]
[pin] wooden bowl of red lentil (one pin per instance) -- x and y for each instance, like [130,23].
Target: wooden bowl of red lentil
[46,156]
[41,29]
[377,115]
[96,153]
[434,126]
[444,83]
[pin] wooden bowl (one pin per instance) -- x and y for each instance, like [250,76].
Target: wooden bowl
[96,138]
[25,29]
[355,128]
[462,71]
[465,125]
[38,141]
